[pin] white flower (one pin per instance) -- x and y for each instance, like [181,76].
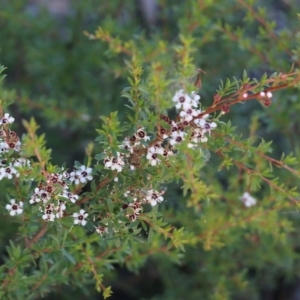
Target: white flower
[114,163]
[48,212]
[154,160]
[40,195]
[34,199]
[60,209]
[8,172]
[142,135]
[101,229]
[205,125]
[7,119]
[135,139]
[126,144]
[187,115]
[49,217]
[195,99]
[136,206]
[14,208]
[72,197]
[79,218]
[248,200]
[85,174]
[61,205]
[4,147]
[21,162]
[65,175]
[158,149]
[152,154]
[153,197]
[197,136]
[75,176]
[177,137]
[59,214]
[182,100]
[82,175]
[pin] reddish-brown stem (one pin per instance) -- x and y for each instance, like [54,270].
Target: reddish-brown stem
[266,180]
[37,236]
[274,161]
[230,101]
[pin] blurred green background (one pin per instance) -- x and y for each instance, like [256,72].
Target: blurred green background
[66,81]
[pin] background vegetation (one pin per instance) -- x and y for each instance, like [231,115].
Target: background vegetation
[65,76]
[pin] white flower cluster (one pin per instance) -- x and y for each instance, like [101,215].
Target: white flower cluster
[52,195]
[137,146]
[8,139]
[9,166]
[131,146]
[9,142]
[57,189]
[189,110]
[133,149]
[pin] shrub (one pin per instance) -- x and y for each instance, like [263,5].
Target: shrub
[180,177]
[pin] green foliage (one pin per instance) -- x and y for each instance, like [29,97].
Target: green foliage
[204,240]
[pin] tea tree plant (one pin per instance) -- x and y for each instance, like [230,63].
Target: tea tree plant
[63,228]
[118,207]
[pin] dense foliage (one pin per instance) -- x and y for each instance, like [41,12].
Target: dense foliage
[173,172]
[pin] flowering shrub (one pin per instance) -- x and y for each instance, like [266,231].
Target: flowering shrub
[120,205]
[133,170]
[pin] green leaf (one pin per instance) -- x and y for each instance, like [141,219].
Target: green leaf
[107,292]
[150,234]
[110,205]
[68,256]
